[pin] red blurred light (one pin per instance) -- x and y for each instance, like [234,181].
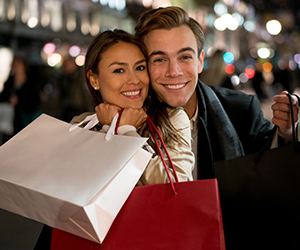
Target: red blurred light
[230,69]
[250,73]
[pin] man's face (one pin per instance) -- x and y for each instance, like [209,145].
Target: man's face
[174,65]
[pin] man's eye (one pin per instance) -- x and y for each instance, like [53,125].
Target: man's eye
[186,57]
[158,60]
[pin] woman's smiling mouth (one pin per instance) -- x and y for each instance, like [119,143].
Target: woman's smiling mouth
[132,93]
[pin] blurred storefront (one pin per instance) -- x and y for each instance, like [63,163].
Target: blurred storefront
[256,36]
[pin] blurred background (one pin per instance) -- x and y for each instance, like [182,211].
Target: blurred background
[251,46]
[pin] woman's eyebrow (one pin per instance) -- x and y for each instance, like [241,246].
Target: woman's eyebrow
[118,63]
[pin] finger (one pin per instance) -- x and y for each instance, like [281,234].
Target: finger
[283,116]
[282,107]
[284,92]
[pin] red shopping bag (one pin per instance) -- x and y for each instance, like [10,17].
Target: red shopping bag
[154,218]
[185,216]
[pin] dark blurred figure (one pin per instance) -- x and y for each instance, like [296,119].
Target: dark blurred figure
[74,96]
[286,79]
[22,92]
[258,82]
[215,73]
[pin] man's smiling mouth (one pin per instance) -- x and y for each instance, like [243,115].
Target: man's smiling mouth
[174,86]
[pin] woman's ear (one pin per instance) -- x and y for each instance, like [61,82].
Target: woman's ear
[93,80]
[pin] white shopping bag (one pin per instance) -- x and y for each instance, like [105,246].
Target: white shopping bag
[75,181]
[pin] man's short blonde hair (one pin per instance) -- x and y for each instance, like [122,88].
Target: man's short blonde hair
[168,18]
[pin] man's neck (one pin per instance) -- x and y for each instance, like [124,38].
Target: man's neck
[190,107]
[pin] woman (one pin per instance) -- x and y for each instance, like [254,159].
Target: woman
[117,77]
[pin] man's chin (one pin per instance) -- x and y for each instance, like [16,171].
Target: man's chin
[176,103]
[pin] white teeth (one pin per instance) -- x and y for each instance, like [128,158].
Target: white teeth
[131,93]
[173,86]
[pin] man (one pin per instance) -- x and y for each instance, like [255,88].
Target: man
[228,123]
[225,123]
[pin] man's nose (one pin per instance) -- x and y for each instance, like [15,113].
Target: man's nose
[174,69]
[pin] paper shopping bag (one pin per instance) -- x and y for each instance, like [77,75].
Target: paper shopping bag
[261,202]
[260,197]
[154,218]
[183,215]
[75,181]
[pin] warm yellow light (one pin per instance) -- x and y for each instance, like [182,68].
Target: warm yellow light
[267,66]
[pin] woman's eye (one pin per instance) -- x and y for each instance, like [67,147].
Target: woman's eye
[141,67]
[117,71]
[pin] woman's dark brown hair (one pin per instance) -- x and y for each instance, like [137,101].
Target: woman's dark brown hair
[99,45]
[153,107]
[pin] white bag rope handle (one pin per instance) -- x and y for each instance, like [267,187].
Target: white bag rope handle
[92,120]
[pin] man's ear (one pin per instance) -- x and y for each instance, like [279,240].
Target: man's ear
[201,61]
[93,80]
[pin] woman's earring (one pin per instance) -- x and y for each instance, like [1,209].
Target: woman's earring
[96,88]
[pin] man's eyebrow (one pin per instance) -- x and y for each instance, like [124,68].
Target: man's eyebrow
[186,49]
[159,52]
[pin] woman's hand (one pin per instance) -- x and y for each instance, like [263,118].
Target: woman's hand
[106,112]
[133,117]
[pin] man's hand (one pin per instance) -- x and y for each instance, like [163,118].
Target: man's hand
[282,114]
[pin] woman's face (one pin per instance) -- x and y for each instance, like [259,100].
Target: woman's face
[123,78]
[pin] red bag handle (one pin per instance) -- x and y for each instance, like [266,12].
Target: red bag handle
[154,130]
[152,126]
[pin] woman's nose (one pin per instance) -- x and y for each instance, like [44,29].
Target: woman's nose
[133,78]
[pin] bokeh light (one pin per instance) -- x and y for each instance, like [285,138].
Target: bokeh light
[120,5]
[32,22]
[74,50]
[235,80]
[49,48]
[249,26]
[267,67]
[103,2]
[220,9]
[79,60]
[273,27]
[228,58]
[250,73]
[297,58]
[220,24]
[54,59]
[243,78]
[239,18]
[230,69]
[263,53]
[147,3]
